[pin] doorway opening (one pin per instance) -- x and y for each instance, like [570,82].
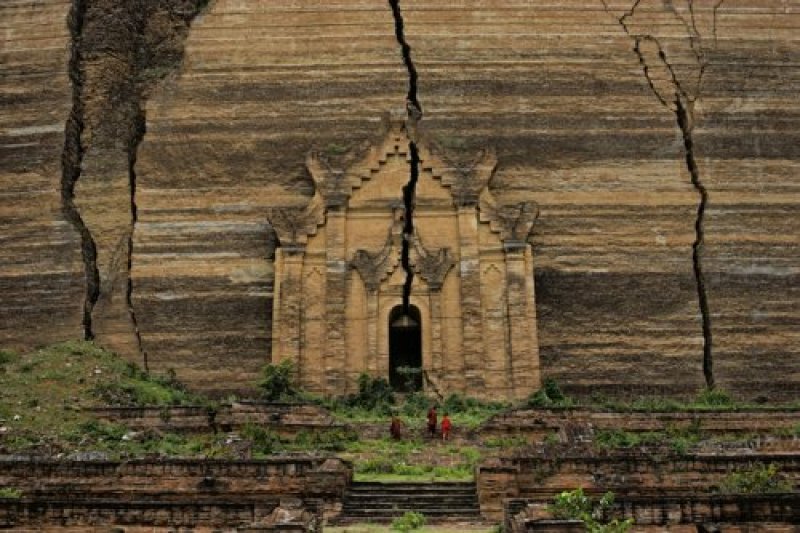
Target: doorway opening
[405,349]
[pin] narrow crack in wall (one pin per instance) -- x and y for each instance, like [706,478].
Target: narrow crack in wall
[71,163]
[685,123]
[681,103]
[140,129]
[414,112]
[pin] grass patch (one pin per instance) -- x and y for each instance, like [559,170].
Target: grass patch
[680,440]
[411,460]
[706,400]
[45,392]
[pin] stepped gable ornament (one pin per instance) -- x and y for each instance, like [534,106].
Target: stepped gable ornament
[330,183]
[466,183]
[513,222]
[294,225]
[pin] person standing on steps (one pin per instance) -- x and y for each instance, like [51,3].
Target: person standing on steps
[446,426]
[432,419]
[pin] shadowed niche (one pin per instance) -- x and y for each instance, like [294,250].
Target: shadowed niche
[405,349]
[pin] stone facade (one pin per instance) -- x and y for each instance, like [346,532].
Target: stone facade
[583,122]
[339,282]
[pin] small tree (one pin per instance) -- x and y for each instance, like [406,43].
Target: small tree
[277,382]
[374,394]
[575,505]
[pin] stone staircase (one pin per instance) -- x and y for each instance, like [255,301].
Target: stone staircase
[382,502]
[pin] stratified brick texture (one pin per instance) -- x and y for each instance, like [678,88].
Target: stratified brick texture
[584,122]
[41,274]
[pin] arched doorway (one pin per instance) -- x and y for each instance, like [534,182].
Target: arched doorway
[405,349]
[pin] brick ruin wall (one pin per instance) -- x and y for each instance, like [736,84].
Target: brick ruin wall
[198,494]
[142,147]
[652,478]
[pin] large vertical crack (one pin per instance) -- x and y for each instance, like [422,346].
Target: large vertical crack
[414,112]
[686,125]
[121,50]
[679,97]
[71,163]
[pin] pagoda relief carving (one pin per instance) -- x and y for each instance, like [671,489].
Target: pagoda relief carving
[339,282]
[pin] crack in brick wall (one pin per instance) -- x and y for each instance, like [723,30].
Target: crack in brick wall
[414,112]
[71,163]
[120,50]
[681,102]
[140,129]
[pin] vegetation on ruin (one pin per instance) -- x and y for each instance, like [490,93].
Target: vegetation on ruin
[757,478]
[410,521]
[551,396]
[10,493]
[678,439]
[576,505]
[45,393]
[277,382]
[375,402]
[412,459]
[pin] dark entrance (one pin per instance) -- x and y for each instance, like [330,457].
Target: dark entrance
[405,349]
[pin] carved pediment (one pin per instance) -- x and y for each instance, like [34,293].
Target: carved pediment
[466,182]
[377,179]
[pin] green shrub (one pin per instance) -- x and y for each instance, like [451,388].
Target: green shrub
[408,522]
[549,395]
[575,505]
[416,404]
[374,394]
[7,356]
[277,382]
[264,441]
[10,493]
[553,391]
[756,479]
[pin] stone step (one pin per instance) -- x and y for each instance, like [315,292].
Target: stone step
[412,495]
[399,511]
[382,502]
[427,503]
[409,505]
[364,486]
[422,498]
